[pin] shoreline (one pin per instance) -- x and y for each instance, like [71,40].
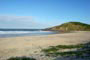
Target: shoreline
[29,45]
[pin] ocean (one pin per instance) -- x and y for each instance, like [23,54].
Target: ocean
[23,32]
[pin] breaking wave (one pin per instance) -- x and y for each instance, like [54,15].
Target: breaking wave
[22,32]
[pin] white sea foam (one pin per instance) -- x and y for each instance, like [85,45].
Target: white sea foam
[22,32]
[14,32]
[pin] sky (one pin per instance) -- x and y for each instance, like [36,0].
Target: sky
[40,14]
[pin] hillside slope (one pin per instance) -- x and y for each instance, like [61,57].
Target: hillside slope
[72,26]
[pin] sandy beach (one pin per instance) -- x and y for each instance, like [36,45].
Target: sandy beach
[32,45]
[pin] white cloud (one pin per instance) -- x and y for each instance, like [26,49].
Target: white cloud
[18,22]
[9,18]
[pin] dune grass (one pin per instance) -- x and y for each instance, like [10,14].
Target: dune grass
[83,50]
[52,49]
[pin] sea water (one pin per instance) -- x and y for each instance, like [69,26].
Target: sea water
[23,32]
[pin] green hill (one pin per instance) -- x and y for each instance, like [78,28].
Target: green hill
[72,26]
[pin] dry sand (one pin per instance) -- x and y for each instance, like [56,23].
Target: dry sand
[31,45]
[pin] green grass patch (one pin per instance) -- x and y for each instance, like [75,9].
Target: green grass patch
[69,53]
[83,51]
[52,49]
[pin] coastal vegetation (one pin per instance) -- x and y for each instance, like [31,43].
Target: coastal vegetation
[81,51]
[52,49]
[71,26]
[21,58]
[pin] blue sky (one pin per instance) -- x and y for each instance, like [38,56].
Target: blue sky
[42,13]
